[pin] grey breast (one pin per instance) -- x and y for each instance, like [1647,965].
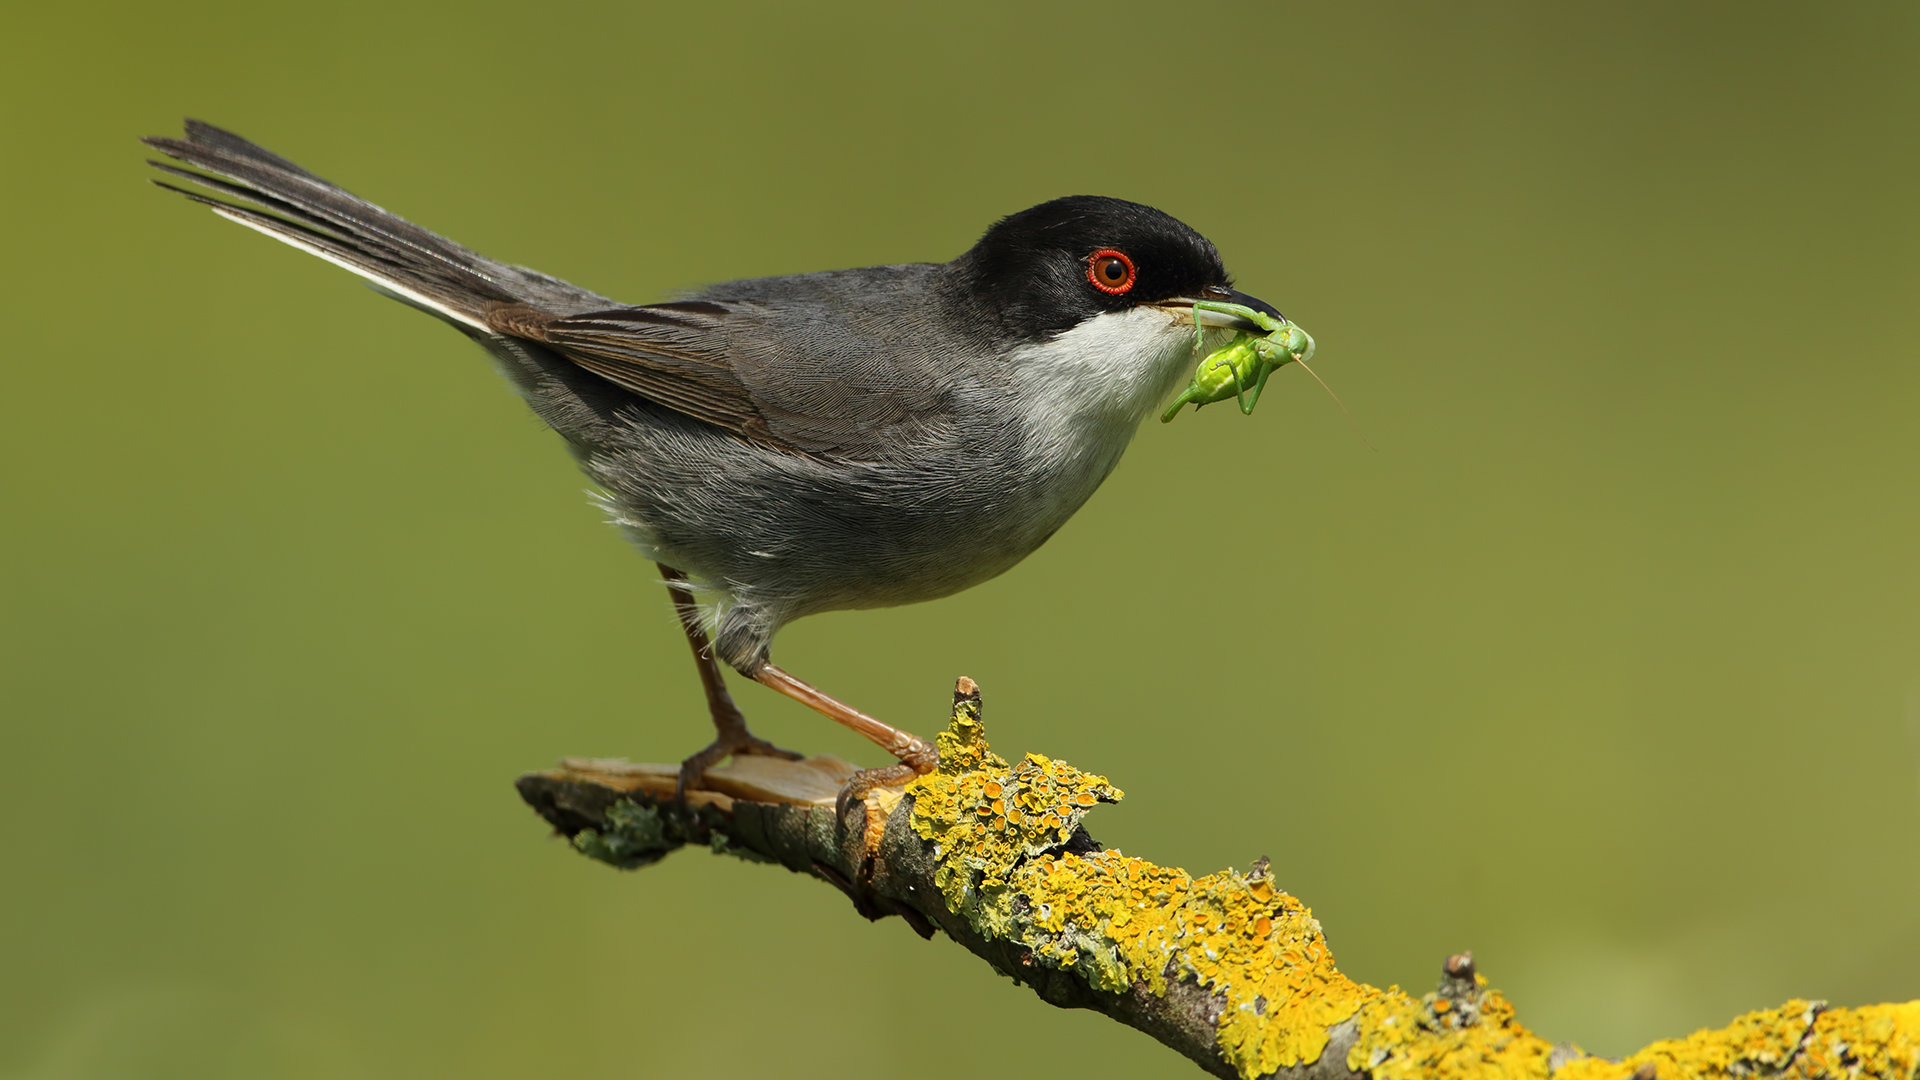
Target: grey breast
[912,482]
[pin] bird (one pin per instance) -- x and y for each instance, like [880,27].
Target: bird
[787,446]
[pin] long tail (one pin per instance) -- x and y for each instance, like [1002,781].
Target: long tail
[292,205]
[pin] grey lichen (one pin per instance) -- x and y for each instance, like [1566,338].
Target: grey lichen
[631,836]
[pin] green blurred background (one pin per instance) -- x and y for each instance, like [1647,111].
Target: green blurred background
[1606,664]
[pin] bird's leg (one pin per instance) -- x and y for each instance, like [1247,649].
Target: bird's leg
[917,756]
[732,736]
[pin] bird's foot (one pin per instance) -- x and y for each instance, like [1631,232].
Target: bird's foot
[916,755]
[732,740]
[862,783]
[922,760]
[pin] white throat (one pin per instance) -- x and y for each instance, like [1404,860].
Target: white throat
[1092,386]
[1084,393]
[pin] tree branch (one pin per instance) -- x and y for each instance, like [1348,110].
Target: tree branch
[1226,969]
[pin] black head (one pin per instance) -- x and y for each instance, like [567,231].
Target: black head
[1045,270]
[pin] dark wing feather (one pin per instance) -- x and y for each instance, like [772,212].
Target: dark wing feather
[672,354]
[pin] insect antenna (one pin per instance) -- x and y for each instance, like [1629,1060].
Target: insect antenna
[1357,429]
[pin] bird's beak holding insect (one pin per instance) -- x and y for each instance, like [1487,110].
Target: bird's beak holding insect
[1206,317]
[1214,309]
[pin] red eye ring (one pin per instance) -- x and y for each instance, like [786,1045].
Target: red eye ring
[1101,271]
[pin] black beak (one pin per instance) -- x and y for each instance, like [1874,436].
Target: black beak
[1219,295]
[1255,303]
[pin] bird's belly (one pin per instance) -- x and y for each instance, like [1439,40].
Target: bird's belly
[970,527]
[798,535]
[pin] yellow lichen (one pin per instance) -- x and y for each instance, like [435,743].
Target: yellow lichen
[1401,1038]
[999,831]
[1877,1041]
[1002,837]
[1797,1040]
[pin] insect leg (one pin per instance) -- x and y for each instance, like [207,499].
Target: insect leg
[1266,370]
[1179,403]
[1261,319]
[1239,393]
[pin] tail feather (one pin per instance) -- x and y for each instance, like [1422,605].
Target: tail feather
[201,133]
[290,204]
[239,191]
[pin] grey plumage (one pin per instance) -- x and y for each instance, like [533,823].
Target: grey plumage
[798,444]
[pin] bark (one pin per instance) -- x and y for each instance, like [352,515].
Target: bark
[1226,969]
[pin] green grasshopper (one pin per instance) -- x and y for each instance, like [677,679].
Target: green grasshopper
[1239,369]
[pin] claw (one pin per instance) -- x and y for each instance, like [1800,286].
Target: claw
[729,743]
[864,781]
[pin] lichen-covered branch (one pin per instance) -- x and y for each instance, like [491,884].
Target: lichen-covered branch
[1227,969]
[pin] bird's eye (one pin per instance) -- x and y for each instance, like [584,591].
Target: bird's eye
[1110,271]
